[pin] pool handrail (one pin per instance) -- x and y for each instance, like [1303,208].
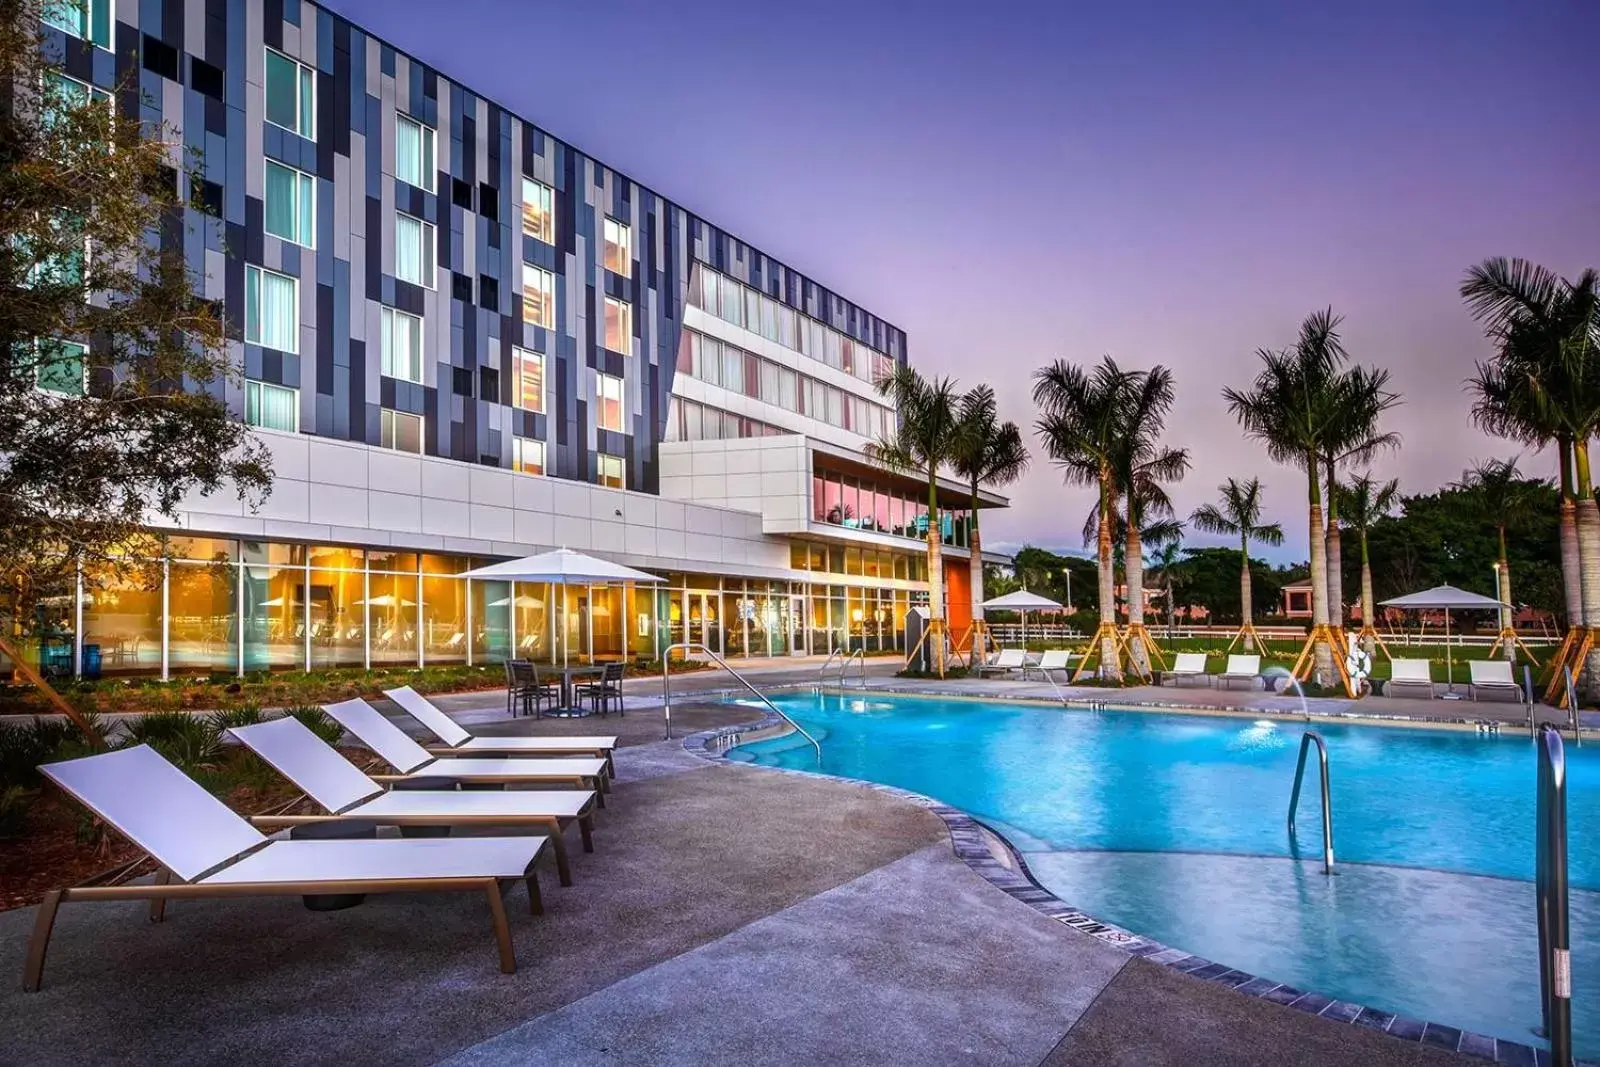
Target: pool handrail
[666,690]
[1550,882]
[1572,708]
[1327,804]
[860,655]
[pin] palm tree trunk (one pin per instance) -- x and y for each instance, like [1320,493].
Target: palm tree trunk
[975,565]
[1322,654]
[1369,604]
[1571,571]
[1503,573]
[1133,571]
[1246,609]
[1588,521]
[1110,664]
[935,578]
[1335,554]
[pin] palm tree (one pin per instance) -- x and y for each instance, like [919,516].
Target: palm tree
[1080,424]
[1168,563]
[1365,502]
[1542,387]
[987,452]
[1500,498]
[1353,437]
[1240,516]
[923,441]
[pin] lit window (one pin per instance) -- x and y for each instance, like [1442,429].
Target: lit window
[271,407]
[528,393]
[62,367]
[612,472]
[609,392]
[400,431]
[271,309]
[619,326]
[88,19]
[527,455]
[538,211]
[619,247]
[291,91]
[402,345]
[413,251]
[291,204]
[413,153]
[538,297]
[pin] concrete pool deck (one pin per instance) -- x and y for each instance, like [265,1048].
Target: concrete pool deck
[728,915]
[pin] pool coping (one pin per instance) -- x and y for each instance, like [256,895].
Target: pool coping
[971,840]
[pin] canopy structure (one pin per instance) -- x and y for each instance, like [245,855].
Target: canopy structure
[1024,602]
[561,567]
[1448,598]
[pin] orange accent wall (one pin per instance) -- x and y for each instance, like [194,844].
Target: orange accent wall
[958,598]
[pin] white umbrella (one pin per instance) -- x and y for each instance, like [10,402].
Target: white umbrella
[523,601]
[1449,598]
[561,567]
[389,600]
[1024,602]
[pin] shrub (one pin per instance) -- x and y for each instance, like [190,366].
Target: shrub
[14,804]
[318,722]
[191,742]
[23,747]
[226,719]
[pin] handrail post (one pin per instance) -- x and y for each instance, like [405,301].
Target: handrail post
[666,691]
[1550,881]
[1306,741]
[1572,708]
[666,687]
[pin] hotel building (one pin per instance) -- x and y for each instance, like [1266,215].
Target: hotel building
[465,340]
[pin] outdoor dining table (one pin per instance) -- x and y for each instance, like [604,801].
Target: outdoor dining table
[568,708]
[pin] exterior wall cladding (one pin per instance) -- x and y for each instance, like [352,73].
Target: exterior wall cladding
[483,153]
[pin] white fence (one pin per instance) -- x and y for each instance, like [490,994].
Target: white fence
[1009,633]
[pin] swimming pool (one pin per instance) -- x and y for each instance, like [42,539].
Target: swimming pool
[1173,826]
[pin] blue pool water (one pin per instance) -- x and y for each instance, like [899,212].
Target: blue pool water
[1173,826]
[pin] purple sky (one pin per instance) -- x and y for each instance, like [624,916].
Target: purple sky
[1164,181]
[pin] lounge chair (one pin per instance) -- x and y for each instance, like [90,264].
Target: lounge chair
[413,761]
[212,852]
[1245,667]
[1005,661]
[1494,676]
[1188,665]
[1052,659]
[458,742]
[1409,673]
[339,786]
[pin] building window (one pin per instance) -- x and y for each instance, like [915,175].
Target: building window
[291,204]
[529,369]
[271,309]
[413,153]
[272,407]
[62,92]
[88,19]
[608,390]
[619,247]
[619,325]
[400,431]
[612,472]
[402,345]
[538,211]
[291,92]
[62,367]
[527,455]
[538,297]
[413,251]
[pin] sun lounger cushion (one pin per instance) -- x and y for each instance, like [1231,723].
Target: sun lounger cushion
[447,804]
[1243,666]
[489,768]
[1189,663]
[450,732]
[309,762]
[385,858]
[379,734]
[423,710]
[1491,674]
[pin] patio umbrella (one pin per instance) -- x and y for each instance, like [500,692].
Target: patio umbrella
[1448,598]
[1024,602]
[561,567]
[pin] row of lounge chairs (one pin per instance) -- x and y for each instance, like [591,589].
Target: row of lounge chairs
[204,849]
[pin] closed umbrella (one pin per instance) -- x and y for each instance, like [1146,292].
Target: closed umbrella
[1024,602]
[1448,598]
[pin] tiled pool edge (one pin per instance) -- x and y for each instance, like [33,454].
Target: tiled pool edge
[969,839]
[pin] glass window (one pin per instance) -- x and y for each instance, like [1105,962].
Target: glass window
[538,211]
[619,326]
[769,382]
[413,153]
[752,311]
[62,367]
[608,390]
[731,302]
[271,309]
[708,366]
[414,251]
[392,616]
[538,296]
[63,93]
[88,19]
[201,625]
[444,619]
[290,203]
[291,95]
[527,455]
[402,345]
[611,471]
[786,327]
[788,389]
[122,616]
[732,369]
[271,407]
[769,318]
[619,248]
[528,393]
[400,431]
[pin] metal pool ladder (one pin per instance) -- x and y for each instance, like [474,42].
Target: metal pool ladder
[690,646]
[1327,804]
[844,664]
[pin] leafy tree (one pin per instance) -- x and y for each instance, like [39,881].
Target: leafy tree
[1365,502]
[1353,436]
[1212,580]
[1501,499]
[988,452]
[1240,516]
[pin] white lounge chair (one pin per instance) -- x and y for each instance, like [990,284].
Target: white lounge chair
[458,742]
[1188,665]
[413,761]
[340,786]
[1494,676]
[1409,674]
[1052,659]
[1241,667]
[212,852]
[1005,661]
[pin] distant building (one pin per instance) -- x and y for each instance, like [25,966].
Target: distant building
[1297,599]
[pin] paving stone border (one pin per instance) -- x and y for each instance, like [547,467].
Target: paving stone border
[976,844]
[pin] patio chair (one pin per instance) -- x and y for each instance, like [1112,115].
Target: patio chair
[458,742]
[523,687]
[1492,675]
[1004,662]
[1188,665]
[606,689]
[1245,667]
[205,850]
[1409,673]
[1052,659]
[413,761]
[342,789]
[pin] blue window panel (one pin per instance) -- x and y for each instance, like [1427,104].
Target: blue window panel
[388,279]
[374,148]
[341,313]
[272,141]
[291,265]
[150,17]
[233,188]
[291,12]
[252,361]
[386,60]
[324,39]
[291,370]
[358,82]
